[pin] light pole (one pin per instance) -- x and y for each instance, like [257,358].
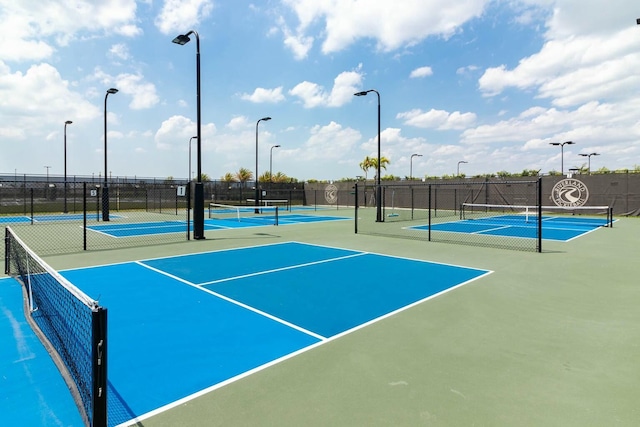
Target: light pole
[105,190]
[198,200]
[589,157]
[46,189]
[271,164]
[190,139]
[562,144]
[378,186]
[257,196]
[458,170]
[68,122]
[411,165]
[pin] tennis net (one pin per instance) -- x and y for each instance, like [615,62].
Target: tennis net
[263,215]
[72,326]
[591,216]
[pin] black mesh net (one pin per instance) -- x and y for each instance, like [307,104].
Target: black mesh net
[71,325]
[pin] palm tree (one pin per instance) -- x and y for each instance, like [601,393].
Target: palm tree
[280,177]
[264,177]
[366,164]
[228,178]
[383,163]
[243,175]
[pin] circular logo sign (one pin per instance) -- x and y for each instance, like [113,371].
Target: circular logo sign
[570,192]
[331,194]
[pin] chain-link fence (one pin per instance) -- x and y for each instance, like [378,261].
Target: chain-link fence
[135,215]
[419,211]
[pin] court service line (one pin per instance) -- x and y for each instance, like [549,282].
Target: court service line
[236,302]
[275,270]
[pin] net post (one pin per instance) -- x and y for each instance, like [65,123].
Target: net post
[539,201]
[99,356]
[31,205]
[355,187]
[412,201]
[429,233]
[7,251]
[276,223]
[188,196]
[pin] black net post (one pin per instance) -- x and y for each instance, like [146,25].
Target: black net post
[98,203]
[356,208]
[7,251]
[84,216]
[188,196]
[31,204]
[539,191]
[99,356]
[429,209]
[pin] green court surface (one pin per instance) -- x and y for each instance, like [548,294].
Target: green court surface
[547,339]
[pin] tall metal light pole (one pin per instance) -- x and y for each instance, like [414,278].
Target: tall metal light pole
[257,196]
[589,156]
[68,122]
[562,144]
[378,185]
[458,170]
[190,139]
[105,189]
[271,163]
[411,165]
[198,199]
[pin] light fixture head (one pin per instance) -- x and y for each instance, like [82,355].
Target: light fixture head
[265,119]
[363,93]
[68,122]
[276,146]
[182,39]
[112,90]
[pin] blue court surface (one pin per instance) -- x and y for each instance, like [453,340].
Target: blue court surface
[163,227]
[184,325]
[562,228]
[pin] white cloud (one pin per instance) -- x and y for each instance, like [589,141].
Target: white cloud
[437,119]
[261,95]
[331,141]
[391,24]
[143,93]
[421,72]
[344,86]
[120,50]
[591,123]
[176,15]
[38,99]
[31,28]
[574,70]
[176,131]
[297,43]
[238,123]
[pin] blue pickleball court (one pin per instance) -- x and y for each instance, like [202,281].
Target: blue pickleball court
[558,228]
[182,325]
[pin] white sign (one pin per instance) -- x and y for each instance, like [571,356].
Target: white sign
[182,190]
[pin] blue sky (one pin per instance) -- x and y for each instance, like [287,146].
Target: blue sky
[491,83]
